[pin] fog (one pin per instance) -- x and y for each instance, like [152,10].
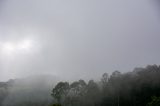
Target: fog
[77,39]
[30,90]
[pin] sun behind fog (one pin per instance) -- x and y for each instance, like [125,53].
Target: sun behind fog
[25,45]
[12,47]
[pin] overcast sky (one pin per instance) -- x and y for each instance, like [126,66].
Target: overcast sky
[77,38]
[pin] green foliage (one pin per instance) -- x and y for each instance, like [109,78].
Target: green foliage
[155,101]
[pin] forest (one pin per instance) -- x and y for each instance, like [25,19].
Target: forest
[140,87]
[79,53]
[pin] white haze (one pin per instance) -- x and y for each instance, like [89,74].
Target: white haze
[75,39]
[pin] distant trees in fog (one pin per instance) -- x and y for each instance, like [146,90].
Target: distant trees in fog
[77,93]
[4,86]
[136,88]
[141,87]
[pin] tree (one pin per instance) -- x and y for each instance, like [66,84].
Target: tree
[155,101]
[92,94]
[77,92]
[78,87]
[104,79]
[60,91]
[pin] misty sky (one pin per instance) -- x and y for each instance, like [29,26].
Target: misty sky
[77,38]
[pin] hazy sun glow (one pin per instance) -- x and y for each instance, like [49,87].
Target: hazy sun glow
[12,47]
[25,45]
[8,48]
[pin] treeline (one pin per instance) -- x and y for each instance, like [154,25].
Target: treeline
[4,86]
[141,87]
[136,88]
[29,91]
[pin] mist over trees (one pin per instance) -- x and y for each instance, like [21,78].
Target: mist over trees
[30,91]
[141,87]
